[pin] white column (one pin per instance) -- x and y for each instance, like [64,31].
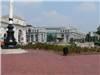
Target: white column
[64,41]
[24,36]
[11,9]
[45,37]
[16,33]
[33,37]
[39,37]
[11,12]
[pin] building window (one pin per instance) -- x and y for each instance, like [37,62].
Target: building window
[42,37]
[36,36]
[32,38]
[28,38]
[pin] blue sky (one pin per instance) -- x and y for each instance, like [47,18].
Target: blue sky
[84,15]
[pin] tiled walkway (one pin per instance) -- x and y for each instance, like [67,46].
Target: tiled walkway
[48,63]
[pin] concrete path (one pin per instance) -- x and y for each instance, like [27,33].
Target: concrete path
[13,51]
[48,63]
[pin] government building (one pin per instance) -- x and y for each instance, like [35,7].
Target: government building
[26,33]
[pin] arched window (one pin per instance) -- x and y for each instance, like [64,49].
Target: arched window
[20,38]
[29,30]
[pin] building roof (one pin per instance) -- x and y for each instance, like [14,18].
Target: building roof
[29,26]
[17,17]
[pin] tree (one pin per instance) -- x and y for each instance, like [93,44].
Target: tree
[97,42]
[98,30]
[51,37]
[71,40]
[88,37]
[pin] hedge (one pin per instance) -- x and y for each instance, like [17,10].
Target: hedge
[59,48]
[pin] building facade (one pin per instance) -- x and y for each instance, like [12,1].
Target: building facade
[19,28]
[35,34]
[25,33]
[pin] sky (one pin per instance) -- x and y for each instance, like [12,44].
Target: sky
[83,15]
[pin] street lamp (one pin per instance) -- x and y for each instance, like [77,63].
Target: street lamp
[10,41]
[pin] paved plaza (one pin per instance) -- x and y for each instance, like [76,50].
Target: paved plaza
[39,62]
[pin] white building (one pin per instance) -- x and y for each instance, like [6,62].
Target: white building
[35,34]
[28,34]
[19,28]
[65,34]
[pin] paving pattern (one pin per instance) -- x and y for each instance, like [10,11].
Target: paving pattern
[48,63]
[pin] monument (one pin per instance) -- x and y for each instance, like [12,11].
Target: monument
[9,39]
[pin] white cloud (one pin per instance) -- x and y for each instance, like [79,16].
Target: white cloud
[52,18]
[4,9]
[28,0]
[50,13]
[56,0]
[87,7]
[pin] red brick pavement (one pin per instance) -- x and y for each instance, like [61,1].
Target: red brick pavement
[48,63]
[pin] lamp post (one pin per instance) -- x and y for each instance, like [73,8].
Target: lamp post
[10,41]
